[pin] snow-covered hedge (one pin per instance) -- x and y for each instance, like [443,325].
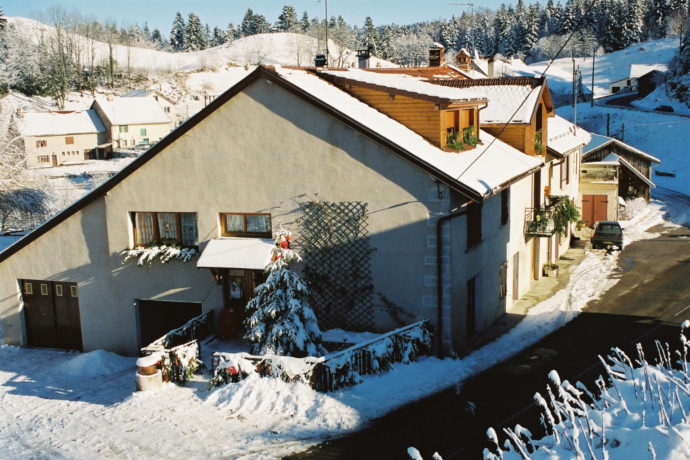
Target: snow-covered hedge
[165,253]
[641,411]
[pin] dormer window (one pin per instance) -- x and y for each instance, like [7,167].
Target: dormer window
[460,129]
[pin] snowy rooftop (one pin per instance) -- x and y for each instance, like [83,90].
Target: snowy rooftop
[599,141]
[482,169]
[637,70]
[60,123]
[406,83]
[133,110]
[505,96]
[565,136]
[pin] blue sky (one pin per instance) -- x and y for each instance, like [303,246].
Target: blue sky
[220,12]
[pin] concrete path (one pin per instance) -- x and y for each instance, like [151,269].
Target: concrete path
[649,302]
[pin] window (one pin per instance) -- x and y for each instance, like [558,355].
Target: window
[505,206]
[73,291]
[142,132]
[69,140]
[123,128]
[44,289]
[145,141]
[474,225]
[236,224]
[28,288]
[41,143]
[58,290]
[124,142]
[44,159]
[164,227]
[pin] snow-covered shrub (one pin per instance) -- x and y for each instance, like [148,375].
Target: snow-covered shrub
[165,253]
[637,409]
[280,319]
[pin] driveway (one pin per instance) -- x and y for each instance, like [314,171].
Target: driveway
[649,302]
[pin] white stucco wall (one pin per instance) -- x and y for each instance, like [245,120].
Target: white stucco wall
[265,150]
[56,145]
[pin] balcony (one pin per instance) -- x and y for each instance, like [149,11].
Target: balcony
[599,175]
[539,222]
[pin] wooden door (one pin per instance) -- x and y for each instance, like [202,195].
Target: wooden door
[516,276]
[51,314]
[157,317]
[594,208]
[54,160]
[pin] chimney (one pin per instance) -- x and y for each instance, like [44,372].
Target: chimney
[490,68]
[320,60]
[363,58]
[436,55]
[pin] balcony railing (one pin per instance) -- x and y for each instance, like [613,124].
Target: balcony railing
[539,222]
[598,175]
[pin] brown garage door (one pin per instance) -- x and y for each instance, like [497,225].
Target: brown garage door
[156,317]
[51,314]
[594,208]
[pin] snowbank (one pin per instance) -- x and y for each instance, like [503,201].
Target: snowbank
[95,363]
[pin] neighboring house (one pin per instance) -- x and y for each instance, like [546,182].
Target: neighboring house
[643,79]
[611,169]
[132,121]
[364,194]
[166,102]
[56,138]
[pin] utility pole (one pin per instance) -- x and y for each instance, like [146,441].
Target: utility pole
[325,2]
[594,54]
[471,5]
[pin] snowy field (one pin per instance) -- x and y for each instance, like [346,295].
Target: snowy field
[64,404]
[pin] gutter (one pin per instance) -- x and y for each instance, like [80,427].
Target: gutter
[439,280]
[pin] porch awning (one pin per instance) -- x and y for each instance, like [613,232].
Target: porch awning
[242,253]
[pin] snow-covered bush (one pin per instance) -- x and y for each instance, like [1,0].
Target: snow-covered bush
[165,253]
[642,408]
[280,319]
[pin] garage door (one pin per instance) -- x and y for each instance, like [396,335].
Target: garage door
[156,317]
[594,208]
[51,314]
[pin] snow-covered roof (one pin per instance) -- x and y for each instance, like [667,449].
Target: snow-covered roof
[564,136]
[637,70]
[132,110]
[60,123]
[405,83]
[240,253]
[599,141]
[139,93]
[483,169]
[504,95]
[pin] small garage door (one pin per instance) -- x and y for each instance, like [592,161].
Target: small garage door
[594,208]
[51,314]
[156,317]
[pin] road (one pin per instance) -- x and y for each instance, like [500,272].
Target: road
[649,302]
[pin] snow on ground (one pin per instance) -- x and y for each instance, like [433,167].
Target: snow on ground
[665,136]
[657,98]
[63,404]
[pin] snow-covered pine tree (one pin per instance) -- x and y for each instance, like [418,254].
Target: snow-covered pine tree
[177,33]
[370,36]
[287,21]
[304,22]
[218,37]
[280,319]
[678,79]
[194,36]
[631,28]
[657,19]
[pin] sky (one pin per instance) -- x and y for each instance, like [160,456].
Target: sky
[159,14]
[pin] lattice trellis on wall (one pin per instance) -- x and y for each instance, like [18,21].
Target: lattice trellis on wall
[337,263]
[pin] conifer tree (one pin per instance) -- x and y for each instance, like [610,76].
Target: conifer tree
[370,36]
[304,22]
[287,21]
[195,36]
[177,33]
[280,320]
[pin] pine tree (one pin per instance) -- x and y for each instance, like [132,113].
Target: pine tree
[246,26]
[370,36]
[631,27]
[194,37]
[280,320]
[657,19]
[146,31]
[218,37]
[177,33]
[231,33]
[156,38]
[304,22]
[287,21]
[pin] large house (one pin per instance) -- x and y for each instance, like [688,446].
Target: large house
[132,121]
[57,138]
[402,206]
[612,171]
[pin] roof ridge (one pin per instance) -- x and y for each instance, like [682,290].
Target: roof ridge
[495,81]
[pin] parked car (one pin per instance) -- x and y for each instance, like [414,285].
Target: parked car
[607,234]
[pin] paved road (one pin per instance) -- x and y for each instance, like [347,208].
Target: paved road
[650,301]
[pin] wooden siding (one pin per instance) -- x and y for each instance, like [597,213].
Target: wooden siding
[422,117]
[641,164]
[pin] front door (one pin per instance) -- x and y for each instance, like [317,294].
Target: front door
[51,314]
[238,289]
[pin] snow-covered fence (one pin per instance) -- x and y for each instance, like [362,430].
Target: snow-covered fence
[179,349]
[637,409]
[333,371]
